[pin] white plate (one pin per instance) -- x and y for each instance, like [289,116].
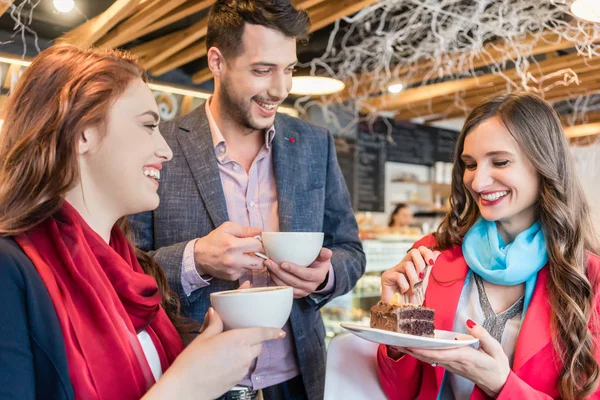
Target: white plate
[441,340]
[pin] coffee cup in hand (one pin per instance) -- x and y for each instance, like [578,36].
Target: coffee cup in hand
[299,248]
[267,307]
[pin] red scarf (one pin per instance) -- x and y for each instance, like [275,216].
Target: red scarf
[102,299]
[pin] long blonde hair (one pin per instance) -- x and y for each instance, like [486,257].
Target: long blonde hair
[565,216]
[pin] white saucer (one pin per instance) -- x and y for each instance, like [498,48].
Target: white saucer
[441,340]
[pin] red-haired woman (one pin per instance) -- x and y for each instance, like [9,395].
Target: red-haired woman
[82,315]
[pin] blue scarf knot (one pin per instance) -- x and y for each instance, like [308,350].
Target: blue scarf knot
[506,264]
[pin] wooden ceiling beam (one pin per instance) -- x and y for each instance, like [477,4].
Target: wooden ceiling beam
[586,78]
[130,29]
[91,31]
[189,54]
[495,51]
[587,117]
[5,5]
[418,94]
[449,109]
[552,97]
[158,50]
[306,4]
[183,11]
[143,6]
[365,86]
[202,76]
[149,48]
[583,130]
[500,51]
[327,13]
[585,74]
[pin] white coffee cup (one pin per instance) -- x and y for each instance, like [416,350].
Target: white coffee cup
[267,307]
[299,248]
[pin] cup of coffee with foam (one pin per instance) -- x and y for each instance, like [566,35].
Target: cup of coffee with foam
[267,307]
[299,248]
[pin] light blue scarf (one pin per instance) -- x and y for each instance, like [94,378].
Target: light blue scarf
[489,257]
[506,264]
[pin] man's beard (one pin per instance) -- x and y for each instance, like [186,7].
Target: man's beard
[237,109]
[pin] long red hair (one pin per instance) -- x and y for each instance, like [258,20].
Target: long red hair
[65,90]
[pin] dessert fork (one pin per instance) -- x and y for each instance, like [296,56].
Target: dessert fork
[418,291]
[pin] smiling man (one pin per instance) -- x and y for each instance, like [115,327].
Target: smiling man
[240,168]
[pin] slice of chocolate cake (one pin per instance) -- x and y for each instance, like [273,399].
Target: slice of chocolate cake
[403,318]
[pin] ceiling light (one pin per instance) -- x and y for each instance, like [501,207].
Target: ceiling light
[179,90]
[315,85]
[588,10]
[64,6]
[582,130]
[397,88]
[10,60]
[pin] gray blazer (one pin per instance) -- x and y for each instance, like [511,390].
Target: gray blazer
[312,196]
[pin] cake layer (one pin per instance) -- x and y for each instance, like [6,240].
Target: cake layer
[384,321]
[416,327]
[408,311]
[410,319]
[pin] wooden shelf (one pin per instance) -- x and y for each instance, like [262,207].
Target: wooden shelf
[443,188]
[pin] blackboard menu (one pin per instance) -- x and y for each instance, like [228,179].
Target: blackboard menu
[445,144]
[362,160]
[411,144]
[346,152]
[371,172]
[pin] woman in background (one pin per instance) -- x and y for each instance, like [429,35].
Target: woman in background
[84,315]
[401,217]
[514,264]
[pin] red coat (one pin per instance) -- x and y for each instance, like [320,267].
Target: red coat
[536,366]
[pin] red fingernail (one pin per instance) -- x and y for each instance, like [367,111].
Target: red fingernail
[431,261]
[421,275]
[471,324]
